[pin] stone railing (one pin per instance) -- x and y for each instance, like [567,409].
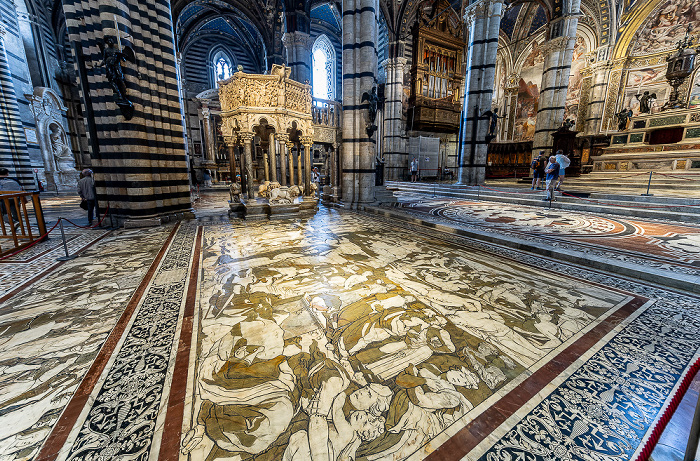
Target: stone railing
[326,113]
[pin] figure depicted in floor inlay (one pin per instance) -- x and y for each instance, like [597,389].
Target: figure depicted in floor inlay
[330,340]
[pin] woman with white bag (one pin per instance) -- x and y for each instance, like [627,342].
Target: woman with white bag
[563,162]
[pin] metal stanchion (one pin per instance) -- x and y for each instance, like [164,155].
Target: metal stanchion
[433,190]
[478,190]
[67,257]
[649,185]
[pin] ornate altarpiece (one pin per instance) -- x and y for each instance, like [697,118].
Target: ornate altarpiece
[437,71]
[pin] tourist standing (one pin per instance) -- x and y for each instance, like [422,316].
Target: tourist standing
[563,162]
[538,165]
[414,170]
[86,190]
[552,172]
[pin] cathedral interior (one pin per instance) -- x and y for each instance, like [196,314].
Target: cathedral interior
[332,231]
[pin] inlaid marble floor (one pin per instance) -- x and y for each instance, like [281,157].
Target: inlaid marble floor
[334,337]
[662,244]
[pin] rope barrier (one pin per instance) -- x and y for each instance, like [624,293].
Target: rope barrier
[628,206]
[679,177]
[599,202]
[40,238]
[32,244]
[89,227]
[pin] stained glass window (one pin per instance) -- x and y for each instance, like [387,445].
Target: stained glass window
[323,65]
[223,68]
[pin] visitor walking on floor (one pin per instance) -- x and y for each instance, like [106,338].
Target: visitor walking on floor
[316,178]
[538,165]
[563,162]
[8,184]
[86,190]
[552,171]
[414,170]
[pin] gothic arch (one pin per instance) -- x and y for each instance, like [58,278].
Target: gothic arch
[323,45]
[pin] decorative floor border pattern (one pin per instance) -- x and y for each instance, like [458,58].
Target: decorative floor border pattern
[116,411]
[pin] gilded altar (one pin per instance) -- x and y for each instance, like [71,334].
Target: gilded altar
[246,99]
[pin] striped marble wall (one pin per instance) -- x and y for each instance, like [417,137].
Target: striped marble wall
[15,115]
[140,164]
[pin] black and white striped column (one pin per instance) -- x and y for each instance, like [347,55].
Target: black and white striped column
[558,54]
[599,85]
[140,164]
[483,19]
[395,145]
[359,77]
[13,145]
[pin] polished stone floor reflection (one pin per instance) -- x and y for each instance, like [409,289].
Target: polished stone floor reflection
[342,323]
[341,336]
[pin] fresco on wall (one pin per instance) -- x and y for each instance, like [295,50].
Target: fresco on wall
[650,79]
[666,26]
[573,94]
[528,95]
[694,100]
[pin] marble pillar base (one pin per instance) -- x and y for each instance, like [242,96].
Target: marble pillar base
[256,209]
[384,196]
[147,222]
[289,210]
[308,205]
[236,209]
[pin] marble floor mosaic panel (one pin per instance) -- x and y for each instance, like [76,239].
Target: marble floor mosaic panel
[51,331]
[663,244]
[341,336]
[344,338]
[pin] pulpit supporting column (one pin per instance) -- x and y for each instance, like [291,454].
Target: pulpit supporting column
[290,146]
[308,142]
[300,175]
[283,158]
[272,153]
[248,139]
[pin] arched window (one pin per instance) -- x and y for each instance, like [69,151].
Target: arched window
[323,65]
[223,67]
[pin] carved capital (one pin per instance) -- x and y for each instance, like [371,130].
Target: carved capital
[307,141]
[555,44]
[302,39]
[483,9]
[246,136]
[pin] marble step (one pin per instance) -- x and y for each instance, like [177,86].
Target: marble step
[614,204]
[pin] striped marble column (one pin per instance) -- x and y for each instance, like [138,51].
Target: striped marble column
[140,164]
[483,19]
[600,73]
[558,53]
[290,156]
[395,145]
[298,47]
[13,145]
[359,77]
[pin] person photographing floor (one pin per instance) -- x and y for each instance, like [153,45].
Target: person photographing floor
[552,172]
[86,190]
[563,162]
